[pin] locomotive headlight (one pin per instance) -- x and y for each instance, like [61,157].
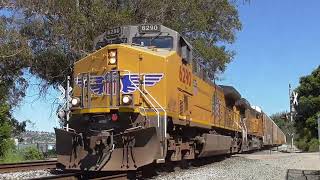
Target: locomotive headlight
[75,101]
[112,56]
[126,99]
[112,53]
[112,60]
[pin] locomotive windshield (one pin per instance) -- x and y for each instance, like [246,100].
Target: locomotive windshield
[105,42]
[159,42]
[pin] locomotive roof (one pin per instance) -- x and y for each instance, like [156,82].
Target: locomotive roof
[231,92]
[125,33]
[243,103]
[257,109]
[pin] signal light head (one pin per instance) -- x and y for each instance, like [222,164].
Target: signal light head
[61,114]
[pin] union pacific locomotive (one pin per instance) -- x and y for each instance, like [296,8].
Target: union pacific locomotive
[144,96]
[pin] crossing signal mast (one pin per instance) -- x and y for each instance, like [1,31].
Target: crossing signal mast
[65,98]
[293,98]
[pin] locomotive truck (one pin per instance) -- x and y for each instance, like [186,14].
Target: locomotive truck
[144,96]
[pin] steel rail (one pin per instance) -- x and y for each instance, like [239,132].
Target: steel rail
[83,175]
[27,166]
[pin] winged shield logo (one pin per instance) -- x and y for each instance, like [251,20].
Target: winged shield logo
[129,82]
[150,79]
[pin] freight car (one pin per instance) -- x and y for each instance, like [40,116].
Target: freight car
[144,96]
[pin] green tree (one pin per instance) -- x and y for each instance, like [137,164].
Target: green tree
[307,111]
[47,37]
[62,31]
[5,130]
[14,55]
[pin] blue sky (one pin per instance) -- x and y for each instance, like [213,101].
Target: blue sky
[38,109]
[279,43]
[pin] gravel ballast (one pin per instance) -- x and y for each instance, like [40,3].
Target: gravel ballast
[259,165]
[25,175]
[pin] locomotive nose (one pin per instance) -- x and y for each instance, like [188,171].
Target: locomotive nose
[105,151]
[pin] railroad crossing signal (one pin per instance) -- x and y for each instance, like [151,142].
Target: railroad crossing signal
[295,98]
[63,93]
[65,97]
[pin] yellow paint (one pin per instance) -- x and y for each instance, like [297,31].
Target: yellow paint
[170,92]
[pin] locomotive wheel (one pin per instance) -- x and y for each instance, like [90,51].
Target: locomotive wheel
[184,164]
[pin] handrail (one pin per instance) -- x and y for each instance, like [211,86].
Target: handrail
[230,111]
[154,108]
[164,126]
[237,124]
[244,130]
[165,112]
[242,127]
[145,113]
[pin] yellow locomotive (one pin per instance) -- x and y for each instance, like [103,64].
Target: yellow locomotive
[144,97]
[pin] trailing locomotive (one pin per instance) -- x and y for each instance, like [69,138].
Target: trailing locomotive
[144,97]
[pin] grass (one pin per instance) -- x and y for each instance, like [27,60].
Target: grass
[27,154]
[12,157]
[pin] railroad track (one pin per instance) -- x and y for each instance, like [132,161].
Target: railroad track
[51,164]
[82,175]
[27,166]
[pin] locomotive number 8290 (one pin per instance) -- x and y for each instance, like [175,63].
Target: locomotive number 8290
[185,76]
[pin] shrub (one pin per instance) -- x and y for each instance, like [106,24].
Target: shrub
[51,153]
[27,154]
[12,156]
[308,145]
[32,153]
[313,145]
[302,144]
[6,143]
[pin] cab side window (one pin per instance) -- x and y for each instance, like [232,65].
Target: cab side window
[185,51]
